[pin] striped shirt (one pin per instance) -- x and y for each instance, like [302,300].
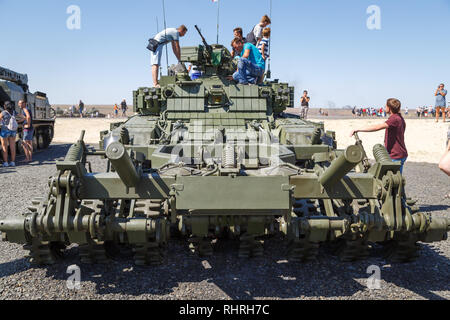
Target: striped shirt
[266,47]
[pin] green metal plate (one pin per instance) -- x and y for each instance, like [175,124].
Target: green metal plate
[227,193]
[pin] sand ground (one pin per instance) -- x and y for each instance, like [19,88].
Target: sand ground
[425,139]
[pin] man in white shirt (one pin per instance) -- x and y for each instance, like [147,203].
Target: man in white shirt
[163,38]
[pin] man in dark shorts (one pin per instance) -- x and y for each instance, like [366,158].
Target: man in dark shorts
[395,128]
[28,131]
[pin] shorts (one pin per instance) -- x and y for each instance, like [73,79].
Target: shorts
[156,56]
[5,133]
[28,135]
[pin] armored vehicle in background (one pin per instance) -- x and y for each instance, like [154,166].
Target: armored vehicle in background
[211,159]
[13,88]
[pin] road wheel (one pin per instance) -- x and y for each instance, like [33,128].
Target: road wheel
[47,139]
[19,147]
[35,142]
[41,140]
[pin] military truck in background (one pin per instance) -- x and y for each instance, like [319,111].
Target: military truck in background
[13,88]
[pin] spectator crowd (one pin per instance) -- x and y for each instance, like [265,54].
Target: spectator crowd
[369,112]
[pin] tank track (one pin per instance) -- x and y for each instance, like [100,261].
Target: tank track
[150,253]
[355,248]
[300,249]
[201,246]
[96,252]
[401,250]
[249,247]
[350,250]
[42,251]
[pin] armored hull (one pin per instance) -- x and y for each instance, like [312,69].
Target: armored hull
[208,159]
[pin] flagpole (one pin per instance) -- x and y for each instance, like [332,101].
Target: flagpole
[218,16]
[157,31]
[165,30]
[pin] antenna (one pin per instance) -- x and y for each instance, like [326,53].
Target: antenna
[157,31]
[269,73]
[218,17]
[165,31]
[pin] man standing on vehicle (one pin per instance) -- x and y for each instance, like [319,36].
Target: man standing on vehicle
[156,46]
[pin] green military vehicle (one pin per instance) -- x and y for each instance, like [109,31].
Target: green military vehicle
[13,88]
[210,159]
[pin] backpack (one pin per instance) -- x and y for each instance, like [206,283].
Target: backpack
[12,124]
[251,37]
[152,45]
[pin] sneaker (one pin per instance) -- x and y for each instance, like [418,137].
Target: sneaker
[5,165]
[12,164]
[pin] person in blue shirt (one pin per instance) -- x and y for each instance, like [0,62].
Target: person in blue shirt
[251,65]
[441,103]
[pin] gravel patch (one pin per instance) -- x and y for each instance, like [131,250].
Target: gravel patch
[223,276]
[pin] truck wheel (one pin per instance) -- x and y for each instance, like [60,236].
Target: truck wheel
[19,147]
[35,142]
[48,138]
[41,141]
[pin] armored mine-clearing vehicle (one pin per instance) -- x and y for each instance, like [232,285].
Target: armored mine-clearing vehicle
[209,159]
[13,88]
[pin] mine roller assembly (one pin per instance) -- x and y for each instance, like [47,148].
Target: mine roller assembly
[141,217]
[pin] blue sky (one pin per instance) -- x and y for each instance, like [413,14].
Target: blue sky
[320,45]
